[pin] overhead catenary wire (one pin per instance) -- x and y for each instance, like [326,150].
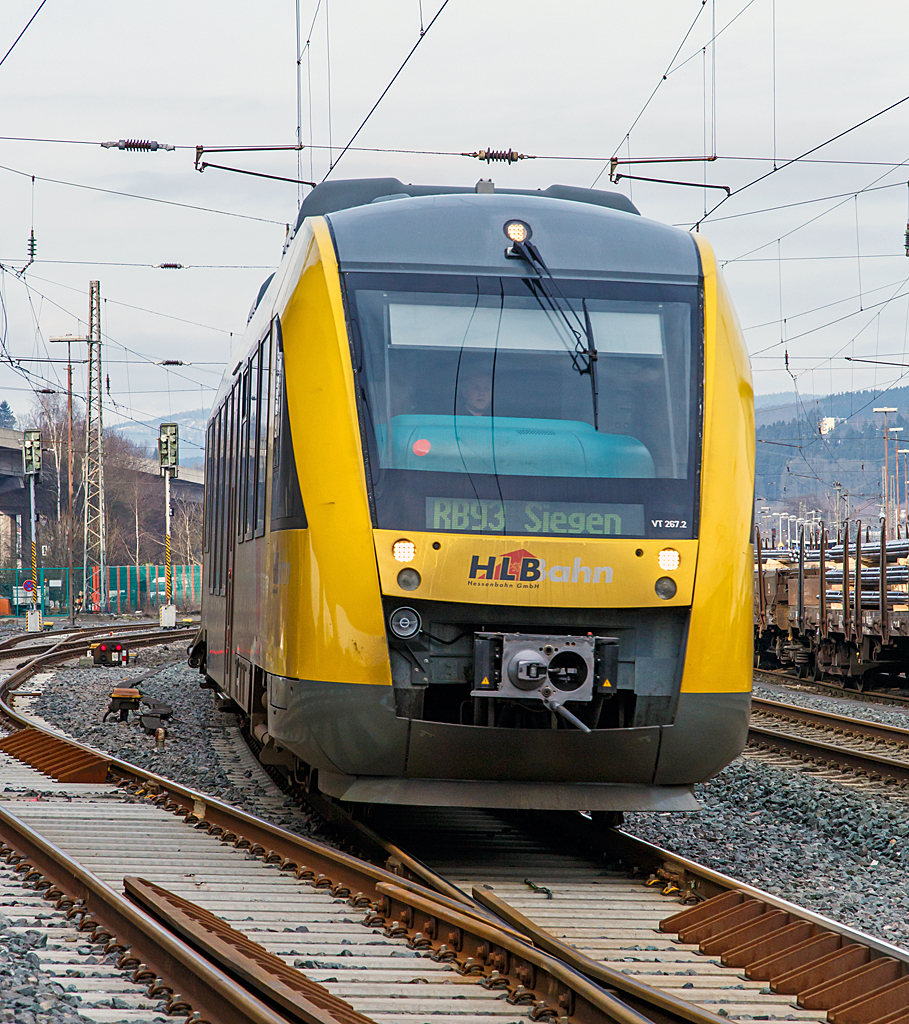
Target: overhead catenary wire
[128,305]
[22,33]
[34,378]
[802,156]
[384,93]
[817,217]
[147,199]
[656,89]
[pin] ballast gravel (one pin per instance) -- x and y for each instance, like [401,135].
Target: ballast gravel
[31,994]
[838,849]
[28,994]
[76,699]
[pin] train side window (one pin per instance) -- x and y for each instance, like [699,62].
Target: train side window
[211,500]
[230,480]
[206,524]
[262,446]
[209,492]
[250,442]
[219,502]
[240,445]
[287,511]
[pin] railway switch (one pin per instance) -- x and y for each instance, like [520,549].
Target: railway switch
[123,700]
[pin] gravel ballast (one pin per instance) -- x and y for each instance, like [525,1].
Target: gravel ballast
[75,700]
[822,844]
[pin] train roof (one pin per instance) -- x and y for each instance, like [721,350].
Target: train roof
[331,196]
[464,233]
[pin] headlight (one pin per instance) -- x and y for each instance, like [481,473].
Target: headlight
[665,587]
[669,559]
[409,579]
[517,231]
[404,550]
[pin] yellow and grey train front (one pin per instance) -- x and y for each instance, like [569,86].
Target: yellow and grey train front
[522,431]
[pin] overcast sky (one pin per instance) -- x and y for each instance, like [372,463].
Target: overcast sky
[566,80]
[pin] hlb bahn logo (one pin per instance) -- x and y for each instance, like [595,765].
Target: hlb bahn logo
[522,570]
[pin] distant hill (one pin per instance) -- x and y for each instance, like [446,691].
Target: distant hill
[795,462]
[855,405]
[778,398]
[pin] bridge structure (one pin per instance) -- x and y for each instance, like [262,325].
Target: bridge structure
[15,531]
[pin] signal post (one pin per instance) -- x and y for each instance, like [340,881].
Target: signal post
[169,458]
[31,456]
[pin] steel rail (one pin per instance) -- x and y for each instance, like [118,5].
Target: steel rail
[656,1004]
[69,647]
[477,945]
[145,945]
[636,993]
[306,857]
[875,766]
[864,696]
[454,932]
[704,882]
[12,642]
[430,921]
[826,720]
[695,884]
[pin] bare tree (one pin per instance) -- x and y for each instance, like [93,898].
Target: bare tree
[186,528]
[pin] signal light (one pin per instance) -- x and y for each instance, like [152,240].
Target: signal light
[404,550]
[669,559]
[168,446]
[665,587]
[31,453]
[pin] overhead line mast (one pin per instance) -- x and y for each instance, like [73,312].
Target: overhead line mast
[94,583]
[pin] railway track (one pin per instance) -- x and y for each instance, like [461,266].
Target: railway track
[67,644]
[291,923]
[281,914]
[881,752]
[736,952]
[888,697]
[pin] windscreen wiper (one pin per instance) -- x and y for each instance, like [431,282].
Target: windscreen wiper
[584,357]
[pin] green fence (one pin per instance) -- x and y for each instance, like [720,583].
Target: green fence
[129,588]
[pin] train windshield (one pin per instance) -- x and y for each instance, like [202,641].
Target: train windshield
[494,405]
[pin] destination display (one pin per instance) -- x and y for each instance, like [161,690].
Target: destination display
[579,519]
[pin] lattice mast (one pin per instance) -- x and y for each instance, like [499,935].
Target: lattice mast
[95,585]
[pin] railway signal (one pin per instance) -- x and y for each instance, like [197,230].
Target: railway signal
[31,458]
[169,458]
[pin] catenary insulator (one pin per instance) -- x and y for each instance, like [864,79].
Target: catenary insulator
[504,156]
[137,145]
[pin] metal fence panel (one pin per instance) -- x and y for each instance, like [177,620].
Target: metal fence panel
[130,588]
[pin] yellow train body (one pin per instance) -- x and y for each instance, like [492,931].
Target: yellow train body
[298,611]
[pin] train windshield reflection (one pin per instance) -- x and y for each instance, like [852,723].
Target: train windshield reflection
[479,377]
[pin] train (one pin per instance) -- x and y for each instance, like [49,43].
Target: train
[479,487]
[834,609]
